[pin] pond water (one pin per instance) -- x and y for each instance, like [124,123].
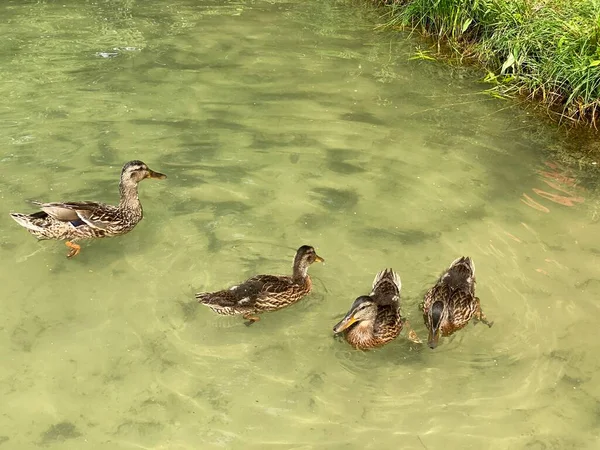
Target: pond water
[281,124]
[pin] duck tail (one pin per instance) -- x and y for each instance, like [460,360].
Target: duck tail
[386,284]
[203,297]
[32,222]
[213,298]
[465,263]
[386,276]
[460,274]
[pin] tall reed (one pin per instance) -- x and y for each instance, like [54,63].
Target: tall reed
[548,50]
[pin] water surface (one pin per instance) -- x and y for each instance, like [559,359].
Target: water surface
[281,124]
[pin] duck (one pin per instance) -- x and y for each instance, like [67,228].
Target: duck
[73,221]
[375,320]
[450,304]
[264,292]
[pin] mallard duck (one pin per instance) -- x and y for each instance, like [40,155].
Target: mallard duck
[374,319]
[264,292]
[72,221]
[451,303]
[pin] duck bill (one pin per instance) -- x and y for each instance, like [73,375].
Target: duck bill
[344,323]
[319,259]
[156,175]
[433,338]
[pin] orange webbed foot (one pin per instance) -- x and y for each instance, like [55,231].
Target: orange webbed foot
[480,317]
[411,334]
[75,249]
[251,318]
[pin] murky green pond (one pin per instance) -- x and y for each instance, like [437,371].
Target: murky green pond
[280,124]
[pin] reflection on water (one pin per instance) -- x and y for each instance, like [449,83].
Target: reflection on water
[280,124]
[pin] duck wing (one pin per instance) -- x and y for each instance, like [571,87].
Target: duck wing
[463,306]
[438,292]
[91,213]
[247,293]
[388,322]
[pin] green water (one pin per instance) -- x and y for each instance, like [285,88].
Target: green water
[280,124]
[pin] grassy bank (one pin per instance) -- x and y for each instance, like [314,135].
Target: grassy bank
[547,50]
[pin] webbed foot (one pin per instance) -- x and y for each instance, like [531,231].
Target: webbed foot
[75,249]
[251,318]
[480,317]
[411,335]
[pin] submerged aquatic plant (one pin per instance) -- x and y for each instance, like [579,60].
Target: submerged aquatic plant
[547,50]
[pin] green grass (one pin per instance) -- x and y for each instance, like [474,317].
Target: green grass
[547,50]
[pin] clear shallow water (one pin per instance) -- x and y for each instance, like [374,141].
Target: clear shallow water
[280,124]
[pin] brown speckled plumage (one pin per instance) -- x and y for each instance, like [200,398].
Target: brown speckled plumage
[374,320]
[264,292]
[451,303]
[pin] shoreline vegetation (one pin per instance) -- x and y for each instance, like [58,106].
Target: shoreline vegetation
[545,50]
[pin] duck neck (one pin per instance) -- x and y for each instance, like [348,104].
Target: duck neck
[300,273]
[130,201]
